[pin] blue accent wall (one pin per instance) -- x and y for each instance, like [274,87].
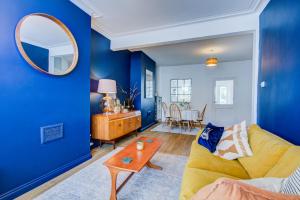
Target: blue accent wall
[30,99]
[139,63]
[278,102]
[38,55]
[127,69]
[107,64]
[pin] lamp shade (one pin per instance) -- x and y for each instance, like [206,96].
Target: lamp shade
[107,86]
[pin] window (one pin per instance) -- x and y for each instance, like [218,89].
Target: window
[224,92]
[181,90]
[149,84]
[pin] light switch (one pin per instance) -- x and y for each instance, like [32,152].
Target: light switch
[263,84]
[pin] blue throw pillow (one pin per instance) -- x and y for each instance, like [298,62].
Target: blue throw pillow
[210,137]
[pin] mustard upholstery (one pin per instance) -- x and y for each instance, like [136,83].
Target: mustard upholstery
[273,157]
[261,142]
[194,179]
[198,134]
[201,158]
[287,163]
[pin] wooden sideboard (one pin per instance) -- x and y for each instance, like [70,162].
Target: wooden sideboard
[109,127]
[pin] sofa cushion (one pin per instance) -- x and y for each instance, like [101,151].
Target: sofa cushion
[234,143]
[210,137]
[267,150]
[194,179]
[228,189]
[291,185]
[201,158]
[286,164]
[267,183]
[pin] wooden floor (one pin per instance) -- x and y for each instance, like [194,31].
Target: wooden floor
[177,144]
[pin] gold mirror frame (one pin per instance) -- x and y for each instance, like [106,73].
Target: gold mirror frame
[60,24]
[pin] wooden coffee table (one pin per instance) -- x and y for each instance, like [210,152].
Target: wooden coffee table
[140,159]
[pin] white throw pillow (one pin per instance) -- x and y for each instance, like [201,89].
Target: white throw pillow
[270,184]
[292,184]
[234,143]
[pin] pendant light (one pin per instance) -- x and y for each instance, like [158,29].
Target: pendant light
[212,61]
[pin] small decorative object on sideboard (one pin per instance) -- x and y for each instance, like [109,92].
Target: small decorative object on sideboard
[117,106]
[125,110]
[117,109]
[107,87]
[128,104]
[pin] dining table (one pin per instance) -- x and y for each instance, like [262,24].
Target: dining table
[189,115]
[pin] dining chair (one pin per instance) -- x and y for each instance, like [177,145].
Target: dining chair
[189,107]
[175,115]
[166,113]
[200,118]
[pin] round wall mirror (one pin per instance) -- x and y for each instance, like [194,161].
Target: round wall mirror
[47,44]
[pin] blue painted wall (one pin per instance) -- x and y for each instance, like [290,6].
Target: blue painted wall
[136,76]
[107,64]
[39,55]
[126,68]
[139,63]
[278,102]
[30,99]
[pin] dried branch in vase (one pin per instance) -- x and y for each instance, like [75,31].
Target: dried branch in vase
[129,96]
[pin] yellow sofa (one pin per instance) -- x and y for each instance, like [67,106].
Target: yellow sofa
[272,157]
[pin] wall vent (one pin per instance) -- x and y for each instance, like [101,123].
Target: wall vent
[51,132]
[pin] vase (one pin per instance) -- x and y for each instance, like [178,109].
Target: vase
[128,104]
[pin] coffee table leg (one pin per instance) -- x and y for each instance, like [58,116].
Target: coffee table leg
[153,166]
[114,174]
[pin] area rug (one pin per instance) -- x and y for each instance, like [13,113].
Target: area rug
[176,130]
[94,182]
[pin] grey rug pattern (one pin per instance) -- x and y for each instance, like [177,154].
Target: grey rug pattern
[177,130]
[94,182]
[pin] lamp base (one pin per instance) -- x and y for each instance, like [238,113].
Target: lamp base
[107,104]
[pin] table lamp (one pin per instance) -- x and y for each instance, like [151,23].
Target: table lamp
[106,87]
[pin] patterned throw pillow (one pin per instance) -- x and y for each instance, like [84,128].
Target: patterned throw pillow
[292,184]
[210,137]
[234,143]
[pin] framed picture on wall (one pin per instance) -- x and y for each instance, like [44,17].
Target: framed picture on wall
[149,84]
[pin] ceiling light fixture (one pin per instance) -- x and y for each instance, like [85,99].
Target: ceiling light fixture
[211,62]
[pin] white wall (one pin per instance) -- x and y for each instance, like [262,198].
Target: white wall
[61,50]
[203,88]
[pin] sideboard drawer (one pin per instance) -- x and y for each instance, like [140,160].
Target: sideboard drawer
[129,124]
[115,129]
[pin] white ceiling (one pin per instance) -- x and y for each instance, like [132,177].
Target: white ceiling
[226,49]
[43,32]
[115,17]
